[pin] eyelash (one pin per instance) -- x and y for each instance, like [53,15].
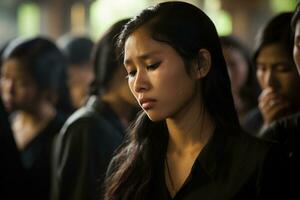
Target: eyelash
[149,67]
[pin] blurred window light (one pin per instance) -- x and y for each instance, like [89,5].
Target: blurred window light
[283,5]
[221,18]
[103,13]
[78,18]
[28,19]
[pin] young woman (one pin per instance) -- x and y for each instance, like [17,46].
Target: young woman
[187,142]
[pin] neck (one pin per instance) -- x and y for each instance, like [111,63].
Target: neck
[190,129]
[42,112]
[122,109]
[26,125]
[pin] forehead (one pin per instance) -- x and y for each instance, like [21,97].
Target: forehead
[14,67]
[297,28]
[272,52]
[140,42]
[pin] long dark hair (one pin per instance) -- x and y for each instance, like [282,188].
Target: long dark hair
[187,29]
[279,31]
[46,64]
[105,58]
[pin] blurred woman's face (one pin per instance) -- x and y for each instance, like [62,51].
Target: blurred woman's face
[18,89]
[297,46]
[278,79]
[157,76]
[237,68]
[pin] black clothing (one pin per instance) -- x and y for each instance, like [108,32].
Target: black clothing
[287,132]
[84,148]
[253,122]
[232,165]
[36,160]
[11,170]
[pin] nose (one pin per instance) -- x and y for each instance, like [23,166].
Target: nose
[141,82]
[271,79]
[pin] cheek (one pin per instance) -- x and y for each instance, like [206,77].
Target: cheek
[26,94]
[290,83]
[296,54]
[131,88]
[259,76]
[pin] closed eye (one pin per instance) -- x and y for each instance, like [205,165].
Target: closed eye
[131,74]
[153,66]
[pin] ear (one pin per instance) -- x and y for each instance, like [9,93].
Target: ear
[203,63]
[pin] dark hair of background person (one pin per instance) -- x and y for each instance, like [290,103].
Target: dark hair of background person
[47,65]
[104,56]
[187,29]
[77,49]
[272,34]
[295,18]
[250,90]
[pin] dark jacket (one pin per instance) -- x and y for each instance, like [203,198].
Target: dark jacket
[83,151]
[287,132]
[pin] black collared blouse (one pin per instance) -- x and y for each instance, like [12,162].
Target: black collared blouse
[231,166]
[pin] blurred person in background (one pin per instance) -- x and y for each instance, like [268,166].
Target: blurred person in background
[244,85]
[286,130]
[77,50]
[88,139]
[33,91]
[276,74]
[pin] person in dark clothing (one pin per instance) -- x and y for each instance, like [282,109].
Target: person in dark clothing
[187,142]
[32,82]
[90,136]
[244,84]
[11,169]
[78,51]
[286,131]
[276,72]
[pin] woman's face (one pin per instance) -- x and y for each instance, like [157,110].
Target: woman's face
[18,89]
[297,46]
[237,68]
[157,76]
[276,72]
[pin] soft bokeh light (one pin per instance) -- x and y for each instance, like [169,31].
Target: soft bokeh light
[28,20]
[221,18]
[283,5]
[104,13]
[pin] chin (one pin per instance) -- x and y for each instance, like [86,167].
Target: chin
[155,117]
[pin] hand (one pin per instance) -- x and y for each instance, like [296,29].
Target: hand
[272,105]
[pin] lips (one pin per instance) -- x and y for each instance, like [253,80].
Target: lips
[147,103]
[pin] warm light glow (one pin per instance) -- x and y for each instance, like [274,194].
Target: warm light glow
[28,17]
[103,13]
[78,18]
[283,5]
[221,18]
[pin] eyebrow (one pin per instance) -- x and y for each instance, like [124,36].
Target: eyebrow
[144,56]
